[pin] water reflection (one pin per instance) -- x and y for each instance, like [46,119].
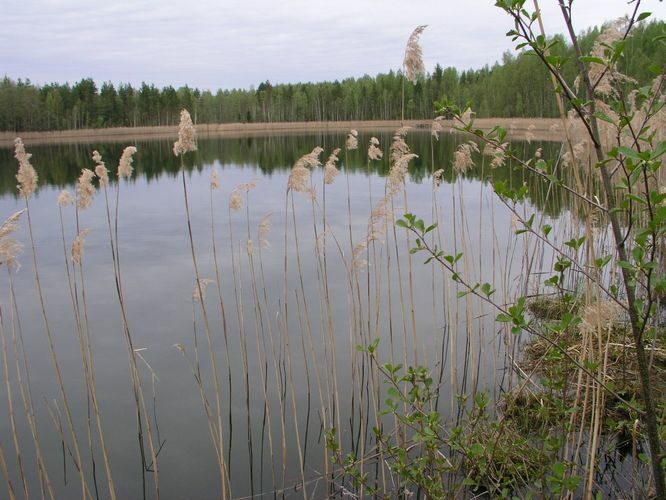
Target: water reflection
[287,319]
[59,165]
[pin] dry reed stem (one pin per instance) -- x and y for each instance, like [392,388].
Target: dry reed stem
[27,184]
[12,419]
[184,144]
[17,342]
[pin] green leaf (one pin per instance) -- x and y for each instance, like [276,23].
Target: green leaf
[394,393]
[592,59]
[629,153]
[599,263]
[604,117]
[659,150]
[636,198]
[643,15]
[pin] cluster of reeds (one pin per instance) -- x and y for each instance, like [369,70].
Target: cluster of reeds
[358,400]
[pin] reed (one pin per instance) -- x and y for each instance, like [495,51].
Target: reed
[513,381]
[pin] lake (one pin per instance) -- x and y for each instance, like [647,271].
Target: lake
[280,333]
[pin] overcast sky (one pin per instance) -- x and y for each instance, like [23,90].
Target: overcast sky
[213,44]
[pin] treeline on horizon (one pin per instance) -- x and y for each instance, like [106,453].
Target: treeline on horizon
[519,86]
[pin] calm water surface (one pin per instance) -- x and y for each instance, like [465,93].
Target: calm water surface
[280,342]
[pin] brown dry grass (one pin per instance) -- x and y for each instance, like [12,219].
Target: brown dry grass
[517,127]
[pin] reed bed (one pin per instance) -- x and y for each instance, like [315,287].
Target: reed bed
[292,385]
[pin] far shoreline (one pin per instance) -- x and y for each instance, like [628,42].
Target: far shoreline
[546,129]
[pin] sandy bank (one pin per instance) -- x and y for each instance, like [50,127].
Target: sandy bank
[541,129]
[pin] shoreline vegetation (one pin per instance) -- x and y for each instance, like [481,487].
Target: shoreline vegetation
[570,325]
[544,129]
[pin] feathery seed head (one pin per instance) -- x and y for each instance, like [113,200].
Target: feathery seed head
[9,247]
[250,247]
[463,156]
[399,147]
[299,180]
[125,164]
[436,127]
[379,218]
[10,224]
[199,292]
[497,153]
[401,155]
[603,77]
[100,170]
[214,182]
[103,174]
[85,189]
[437,177]
[330,170]
[358,262]
[396,177]
[310,160]
[299,177]
[26,176]
[600,316]
[374,153]
[264,229]
[413,61]
[236,199]
[186,135]
[64,198]
[77,245]
[352,140]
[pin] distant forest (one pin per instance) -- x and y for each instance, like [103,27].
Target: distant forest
[518,86]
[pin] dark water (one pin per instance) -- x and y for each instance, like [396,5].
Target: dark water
[279,343]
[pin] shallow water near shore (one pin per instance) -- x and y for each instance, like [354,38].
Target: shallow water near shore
[294,311]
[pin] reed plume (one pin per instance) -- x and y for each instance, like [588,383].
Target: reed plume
[186,135]
[85,191]
[299,177]
[604,79]
[9,247]
[236,199]
[264,229]
[100,169]
[310,160]
[330,169]
[496,152]
[352,140]
[437,177]
[27,176]
[125,164]
[401,155]
[214,181]
[199,292]
[436,127]
[374,153]
[413,61]
[599,316]
[77,245]
[64,199]
[462,158]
